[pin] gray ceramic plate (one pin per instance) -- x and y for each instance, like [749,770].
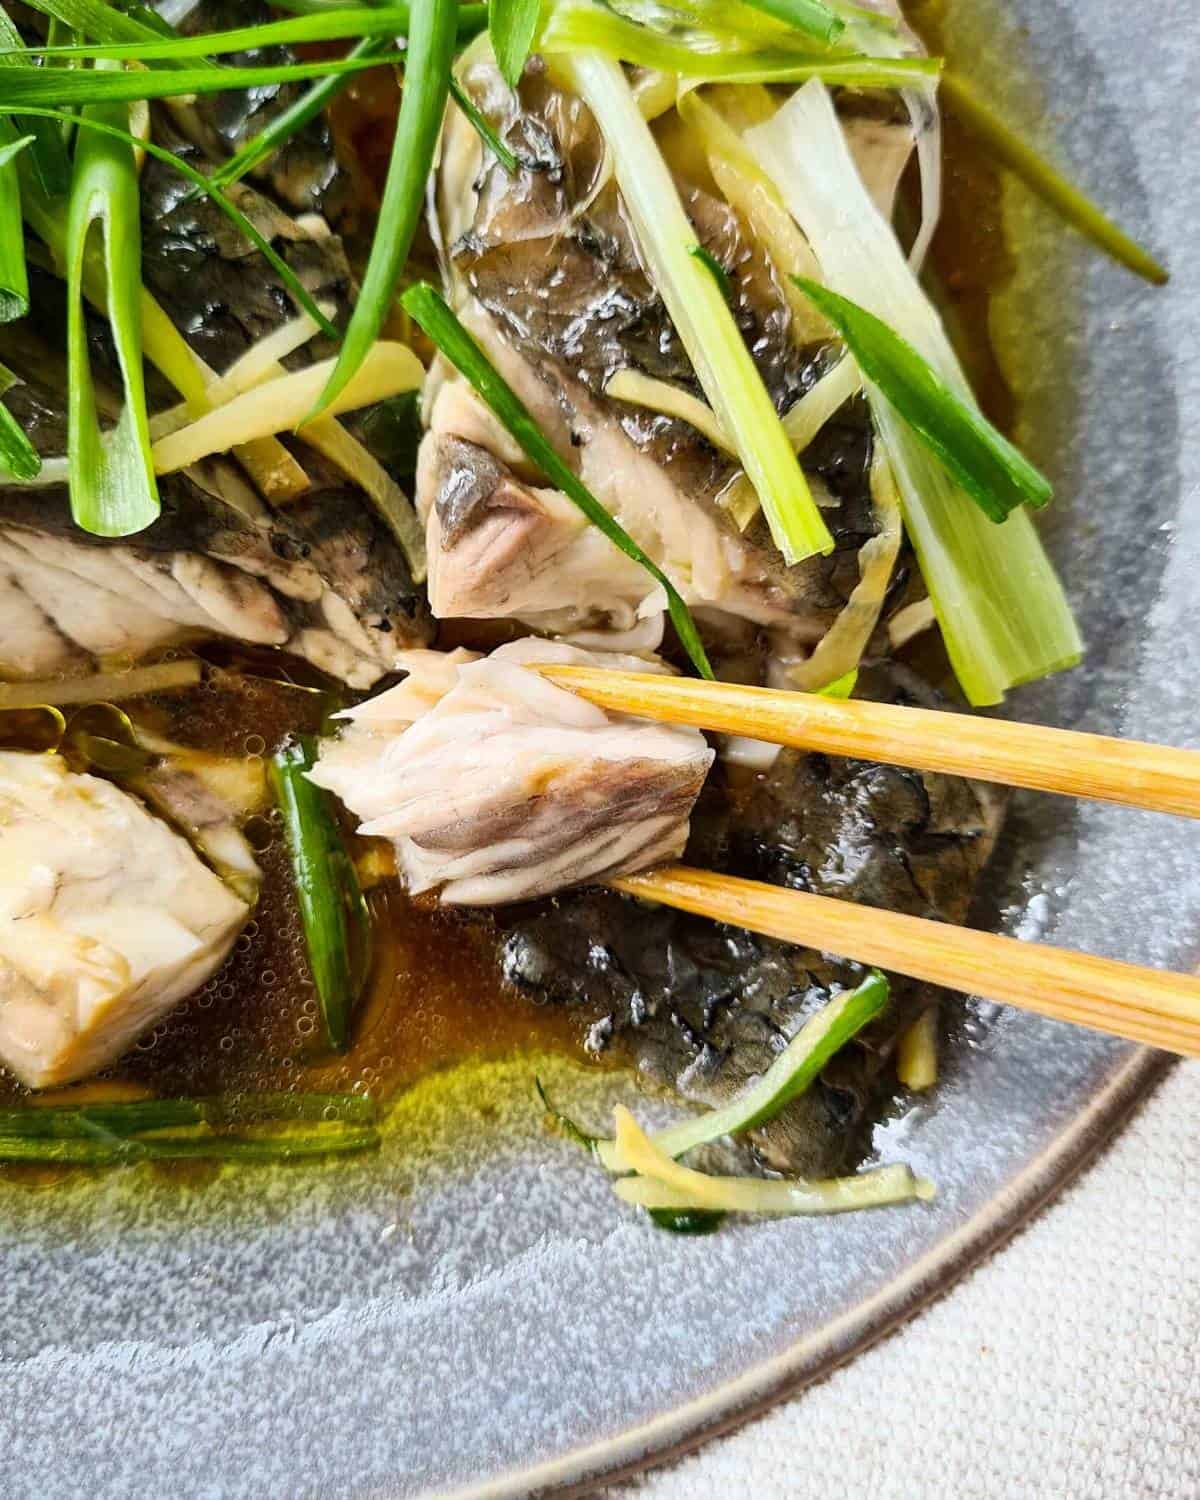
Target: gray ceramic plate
[476,1315]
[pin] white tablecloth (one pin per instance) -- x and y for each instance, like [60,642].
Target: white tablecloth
[1066,1367]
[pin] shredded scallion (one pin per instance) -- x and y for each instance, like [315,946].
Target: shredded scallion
[699,312]
[792,1072]
[113,491]
[995,474]
[418,127]
[336,924]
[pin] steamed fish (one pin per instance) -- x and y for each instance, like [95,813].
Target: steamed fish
[107,920]
[547,276]
[494,785]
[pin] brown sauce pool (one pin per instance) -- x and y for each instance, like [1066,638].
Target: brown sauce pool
[435,995]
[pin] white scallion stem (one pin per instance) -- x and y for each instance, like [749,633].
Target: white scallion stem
[698,310]
[1000,604]
[104,687]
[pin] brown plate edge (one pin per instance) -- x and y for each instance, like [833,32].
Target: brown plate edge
[811,1358]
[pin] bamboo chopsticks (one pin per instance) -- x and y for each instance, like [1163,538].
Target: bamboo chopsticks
[1156,777]
[1141,1005]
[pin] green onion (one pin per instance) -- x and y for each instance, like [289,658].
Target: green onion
[22,85]
[418,129]
[292,119]
[113,491]
[14,280]
[360,22]
[104,23]
[336,925]
[472,18]
[18,456]
[511,26]
[136,1116]
[576,26]
[687,1220]
[719,273]
[208,187]
[808,16]
[110,1152]
[428,308]
[482,126]
[1001,607]
[841,687]
[564,1123]
[702,318]
[881,1187]
[1072,205]
[47,162]
[789,1076]
[996,476]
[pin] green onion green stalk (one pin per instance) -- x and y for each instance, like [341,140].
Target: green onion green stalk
[995,474]
[428,60]
[332,909]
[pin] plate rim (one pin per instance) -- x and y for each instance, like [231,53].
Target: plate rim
[811,1357]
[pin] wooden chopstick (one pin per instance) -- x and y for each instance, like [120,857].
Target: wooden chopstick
[1156,777]
[1141,1005]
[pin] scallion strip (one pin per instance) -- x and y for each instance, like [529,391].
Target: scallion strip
[103,1152]
[482,126]
[810,17]
[879,1187]
[428,60]
[47,163]
[698,310]
[14,279]
[208,187]
[136,1116]
[22,85]
[428,308]
[329,26]
[331,903]
[113,490]
[715,269]
[18,456]
[996,475]
[1002,610]
[512,25]
[104,23]
[292,119]
[789,1076]
[578,26]
[1068,201]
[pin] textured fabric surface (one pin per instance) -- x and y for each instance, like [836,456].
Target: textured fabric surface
[1066,1367]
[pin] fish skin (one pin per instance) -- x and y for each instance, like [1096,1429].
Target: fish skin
[304,175]
[700,1008]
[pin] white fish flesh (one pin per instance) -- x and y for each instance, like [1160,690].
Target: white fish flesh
[107,919]
[509,787]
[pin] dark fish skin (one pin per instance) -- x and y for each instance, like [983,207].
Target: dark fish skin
[304,175]
[700,1008]
[216,287]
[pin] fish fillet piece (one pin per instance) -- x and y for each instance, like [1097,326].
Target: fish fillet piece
[107,920]
[508,787]
[546,273]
